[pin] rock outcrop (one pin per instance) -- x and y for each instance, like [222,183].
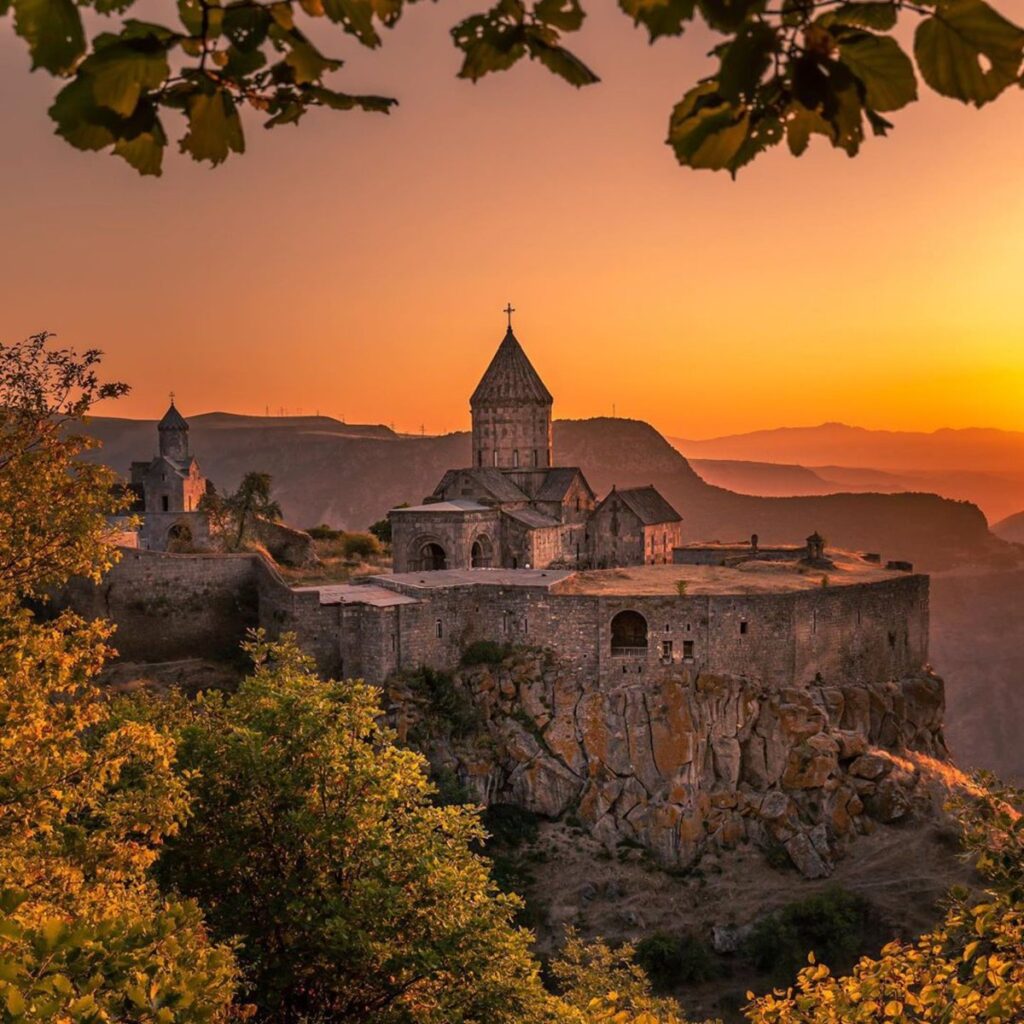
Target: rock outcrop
[699,763]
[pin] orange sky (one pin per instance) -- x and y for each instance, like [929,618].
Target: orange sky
[358,264]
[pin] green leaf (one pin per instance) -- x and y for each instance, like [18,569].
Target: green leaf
[343,101]
[705,131]
[559,60]
[214,127]
[746,59]
[880,14]
[144,152]
[356,17]
[79,120]
[729,15]
[15,1002]
[246,26]
[53,31]
[968,51]
[489,45]
[660,17]
[885,70]
[563,14]
[308,64]
[122,72]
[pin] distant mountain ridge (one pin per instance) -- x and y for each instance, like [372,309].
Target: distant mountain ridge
[981,465]
[350,475]
[977,449]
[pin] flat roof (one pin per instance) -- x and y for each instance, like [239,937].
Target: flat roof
[750,577]
[357,593]
[439,578]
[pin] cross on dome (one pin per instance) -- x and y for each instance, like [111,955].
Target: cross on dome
[508,311]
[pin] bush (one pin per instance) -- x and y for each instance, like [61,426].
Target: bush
[831,924]
[448,705]
[509,825]
[382,529]
[360,545]
[484,652]
[676,960]
[324,532]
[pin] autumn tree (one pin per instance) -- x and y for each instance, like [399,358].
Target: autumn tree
[780,69]
[968,969]
[235,515]
[85,804]
[314,839]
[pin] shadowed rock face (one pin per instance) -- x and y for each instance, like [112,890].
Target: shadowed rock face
[695,764]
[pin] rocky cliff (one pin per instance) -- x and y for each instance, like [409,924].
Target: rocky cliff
[699,764]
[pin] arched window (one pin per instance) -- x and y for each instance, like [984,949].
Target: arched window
[481,554]
[515,457]
[432,557]
[629,635]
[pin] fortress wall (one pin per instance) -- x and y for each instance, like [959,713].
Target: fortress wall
[318,628]
[863,633]
[168,606]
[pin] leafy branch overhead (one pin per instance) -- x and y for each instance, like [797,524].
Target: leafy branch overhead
[784,70]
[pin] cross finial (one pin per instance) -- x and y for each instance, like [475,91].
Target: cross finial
[508,311]
[172,398]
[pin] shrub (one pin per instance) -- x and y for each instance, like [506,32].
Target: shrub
[447,704]
[360,545]
[324,532]
[382,529]
[484,652]
[831,924]
[671,960]
[509,825]
[681,586]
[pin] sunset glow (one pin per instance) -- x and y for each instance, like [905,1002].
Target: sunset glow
[358,266]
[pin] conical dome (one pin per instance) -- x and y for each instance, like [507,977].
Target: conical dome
[510,378]
[173,420]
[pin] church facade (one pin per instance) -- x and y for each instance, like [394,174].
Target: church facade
[514,508]
[168,489]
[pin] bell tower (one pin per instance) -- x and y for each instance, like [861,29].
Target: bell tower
[173,430]
[511,411]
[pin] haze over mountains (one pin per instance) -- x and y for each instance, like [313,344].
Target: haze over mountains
[350,475]
[985,466]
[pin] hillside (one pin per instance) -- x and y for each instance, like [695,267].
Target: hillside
[349,476]
[1011,528]
[979,466]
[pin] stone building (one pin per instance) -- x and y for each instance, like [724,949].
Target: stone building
[514,508]
[168,489]
[635,526]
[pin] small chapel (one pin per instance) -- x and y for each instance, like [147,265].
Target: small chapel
[514,508]
[168,489]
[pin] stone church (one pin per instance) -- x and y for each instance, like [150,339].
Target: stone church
[168,489]
[514,508]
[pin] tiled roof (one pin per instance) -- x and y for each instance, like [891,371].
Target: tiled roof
[649,506]
[558,481]
[530,517]
[510,377]
[173,420]
[492,481]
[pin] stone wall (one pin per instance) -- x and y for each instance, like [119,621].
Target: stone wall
[512,436]
[169,606]
[453,532]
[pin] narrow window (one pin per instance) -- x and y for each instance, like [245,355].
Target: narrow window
[506,623]
[526,625]
[666,650]
[438,629]
[515,457]
[688,650]
[743,628]
[536,457]
[165,503]
[814,621]
[495,456]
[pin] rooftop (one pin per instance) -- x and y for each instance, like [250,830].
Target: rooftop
[455,505]
[441,578]
[751,577]
[357,593]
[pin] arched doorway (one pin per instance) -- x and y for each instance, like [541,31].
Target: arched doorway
[629,635]
[481,554]
[432,557]
[179,537]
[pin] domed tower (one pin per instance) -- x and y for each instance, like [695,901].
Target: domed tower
[173,435]
[511,410]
